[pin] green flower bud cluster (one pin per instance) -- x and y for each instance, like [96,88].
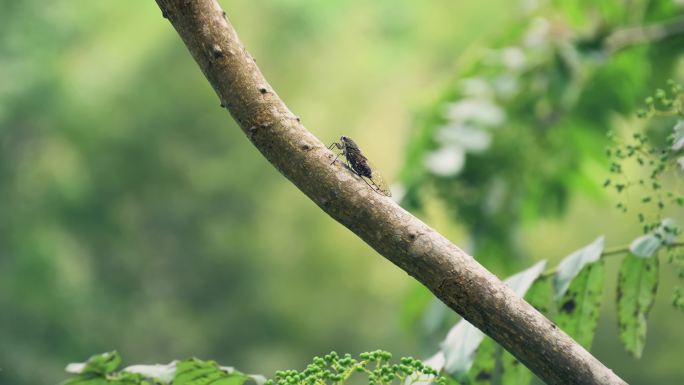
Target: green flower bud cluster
[664,103]
[335,369]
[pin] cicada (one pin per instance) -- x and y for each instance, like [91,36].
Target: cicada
[360,164]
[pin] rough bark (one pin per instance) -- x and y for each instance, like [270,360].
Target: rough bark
[451,274]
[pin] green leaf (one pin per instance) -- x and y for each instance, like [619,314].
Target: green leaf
[194,371]
[103,363]
[678,299]
[637,286]
[482,371]
[521,282]
[579,308]
[459,348]
[540,295]
[513,372]
[571,265]
[86,379]
[99,370]
[162,373]
[647,245]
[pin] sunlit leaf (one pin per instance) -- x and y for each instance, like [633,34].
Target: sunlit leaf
[571,265]
[637,286]
[98,364]
[578,310]
[436,361]
[186,372]
[647,245]
[459,347]
[189,371]
[522,281]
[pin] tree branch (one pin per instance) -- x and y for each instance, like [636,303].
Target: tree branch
[626,37]
[451,274]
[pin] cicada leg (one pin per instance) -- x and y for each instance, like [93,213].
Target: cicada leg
[339,147]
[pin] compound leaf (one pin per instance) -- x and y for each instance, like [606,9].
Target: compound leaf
[637,286]
[578,311]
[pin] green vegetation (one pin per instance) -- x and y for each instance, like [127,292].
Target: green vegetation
[330,369]
[135,216]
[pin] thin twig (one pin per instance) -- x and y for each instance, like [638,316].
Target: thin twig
[623,38]
[625,249]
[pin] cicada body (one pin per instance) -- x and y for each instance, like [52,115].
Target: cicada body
[360,164]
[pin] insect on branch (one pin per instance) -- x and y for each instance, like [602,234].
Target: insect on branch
[360,165]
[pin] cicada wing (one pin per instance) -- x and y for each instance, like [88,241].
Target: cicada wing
[378,181]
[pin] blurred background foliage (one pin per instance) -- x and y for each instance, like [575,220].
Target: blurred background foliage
[135,216]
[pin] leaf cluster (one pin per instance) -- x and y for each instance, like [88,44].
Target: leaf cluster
[101,369]
[571,295]
[335,369]
[332,368]
[510,139]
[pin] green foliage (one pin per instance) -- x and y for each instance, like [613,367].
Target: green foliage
[104,363]
[513,372]
[678,299]
[571,295]
[665,103]
[541,295]
[102,370]
[637,285]
[650,158]
[508,141]
[513,136]
[197,372]
[459,348]
[579,308]
[329,369]
[134,213]
[676,260]
[484,368]
[119,196]
[466,354]
[573,264]
[375,365]
[648,245]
